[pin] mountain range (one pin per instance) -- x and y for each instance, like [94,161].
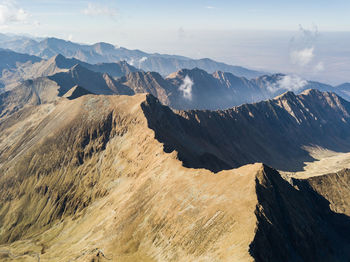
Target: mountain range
[184,89]
[101,160]
[19,67]
[107,53]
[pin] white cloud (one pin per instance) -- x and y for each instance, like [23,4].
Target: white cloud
[303,49]
[131,61]
[186,88]
[288,82]
[210,7]
[10,13]
[100,10]
[319,67]
[141,60]
[302,57]
[70,37]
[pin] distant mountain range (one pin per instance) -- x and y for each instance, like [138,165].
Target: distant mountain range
[19,67]
[184,89]
[107,53]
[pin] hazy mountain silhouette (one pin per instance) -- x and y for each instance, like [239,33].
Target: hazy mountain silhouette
[57,64]
[107,53]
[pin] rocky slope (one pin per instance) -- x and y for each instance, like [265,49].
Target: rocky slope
[86,180]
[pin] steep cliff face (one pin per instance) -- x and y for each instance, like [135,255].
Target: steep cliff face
[296,222]
[273,132]
[335,188]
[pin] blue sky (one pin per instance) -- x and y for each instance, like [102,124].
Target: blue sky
[290,36]
[80,17]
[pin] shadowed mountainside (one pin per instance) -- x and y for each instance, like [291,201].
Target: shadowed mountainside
[297,223]
[274,132]
[335,188]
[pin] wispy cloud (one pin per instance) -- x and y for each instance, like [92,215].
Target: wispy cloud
[302,57]
[10,13]
[302,50]
[210,7]
[142,60]
[287,82]
[319,67]
[100,10]
[186,88]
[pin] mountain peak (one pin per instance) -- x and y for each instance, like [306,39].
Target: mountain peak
[190,72]
[78,68]
[286,95]
[75,92]
[53,40]
[103,47]
[224,75]
[312,92]
[59,58]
